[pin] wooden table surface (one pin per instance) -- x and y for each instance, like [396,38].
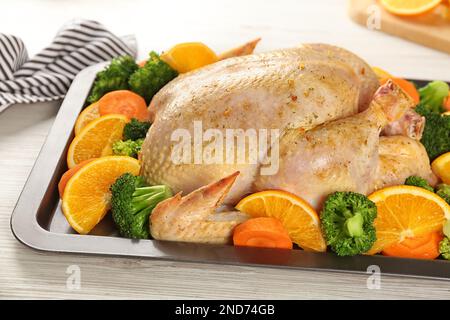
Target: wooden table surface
[25,273]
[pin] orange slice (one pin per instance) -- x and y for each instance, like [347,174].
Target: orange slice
[69,174]
[86,116]
[96,139]
[409,7]
[86,197]
[297,216]
[406,212]
[185,57]
[441,167]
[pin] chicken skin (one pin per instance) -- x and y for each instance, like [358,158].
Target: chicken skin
[297,88]
[345,154]
[182,219]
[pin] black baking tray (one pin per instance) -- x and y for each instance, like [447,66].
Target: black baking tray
[37,220]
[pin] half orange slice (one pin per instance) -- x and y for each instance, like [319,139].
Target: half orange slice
[96,139]
[406,212]
[299,219]
[86,198]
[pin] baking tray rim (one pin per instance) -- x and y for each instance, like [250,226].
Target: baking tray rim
[36,237]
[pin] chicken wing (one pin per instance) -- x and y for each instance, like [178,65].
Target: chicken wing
[193,218]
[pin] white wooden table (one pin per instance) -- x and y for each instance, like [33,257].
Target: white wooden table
[25,273]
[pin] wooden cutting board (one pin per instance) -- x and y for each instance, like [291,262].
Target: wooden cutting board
[431,30]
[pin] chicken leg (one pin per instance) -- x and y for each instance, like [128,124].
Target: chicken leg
[341,155]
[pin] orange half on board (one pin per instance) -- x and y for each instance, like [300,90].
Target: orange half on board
[409,7]
[86,198]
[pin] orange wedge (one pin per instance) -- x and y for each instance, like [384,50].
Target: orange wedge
[86,197]
[186,57]
[87,115]
[381,73]
[96,139]
[441,167]
[297,216]
[406,212]
[409,7]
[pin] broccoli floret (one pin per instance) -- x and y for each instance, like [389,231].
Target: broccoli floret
[444,248]
[149,79]
[128,148]
[347,222]
[433,95]
[135,130]
[132,203]
[446,229]
[114,77]
[443,191]
[436,135]
[419,182]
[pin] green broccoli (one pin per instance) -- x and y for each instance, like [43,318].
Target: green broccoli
[128,148]
[444,248]
[419,182]
[443,191]
[347,222]
[114,77]
[132,203]
[149,79]
[436,135]
[433,95]
[135,130]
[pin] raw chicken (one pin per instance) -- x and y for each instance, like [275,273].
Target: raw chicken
[410,125]
[182,219]
[318,96]
[400,158]
[344,155]
[296,88]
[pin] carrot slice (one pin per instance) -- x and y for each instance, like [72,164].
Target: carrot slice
[406,85]
[262,232]
[123,102]
[69,174]
[424,247]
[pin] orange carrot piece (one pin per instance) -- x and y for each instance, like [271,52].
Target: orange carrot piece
[123,102]
[407,86]
[447,102]
[69,174]
[262,233]
[424,247]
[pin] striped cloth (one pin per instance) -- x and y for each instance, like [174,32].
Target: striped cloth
[48,75]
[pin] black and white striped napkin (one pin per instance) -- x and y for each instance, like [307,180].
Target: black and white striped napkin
[48,75]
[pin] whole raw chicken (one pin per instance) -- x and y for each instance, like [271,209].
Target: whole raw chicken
[318,96]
